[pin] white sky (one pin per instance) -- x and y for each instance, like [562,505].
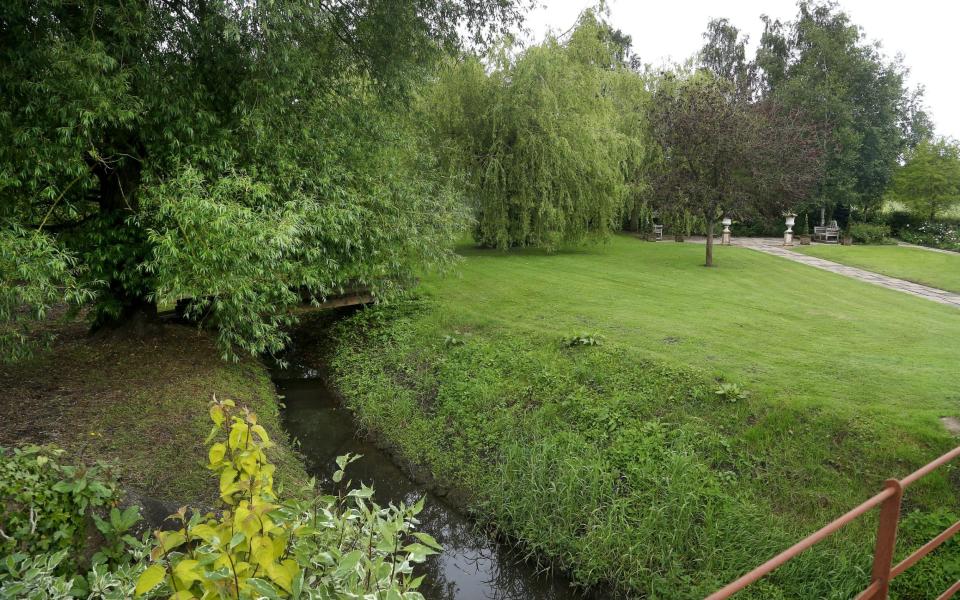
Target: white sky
[925,32]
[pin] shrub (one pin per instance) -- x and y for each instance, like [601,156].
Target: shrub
[46,511]
[261,546]
[35,576]
[941,233]
[40,577]
[870,233]
[933,234]
[46,506]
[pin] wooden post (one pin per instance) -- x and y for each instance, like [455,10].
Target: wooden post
[886,540]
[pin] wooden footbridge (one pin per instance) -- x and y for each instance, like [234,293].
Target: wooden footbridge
[358,296]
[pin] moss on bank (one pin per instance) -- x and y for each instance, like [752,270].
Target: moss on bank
[140,402]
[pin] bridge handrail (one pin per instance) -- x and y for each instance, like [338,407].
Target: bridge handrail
[883,570]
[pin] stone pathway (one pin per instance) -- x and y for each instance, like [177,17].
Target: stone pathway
[927,248]
[775,247]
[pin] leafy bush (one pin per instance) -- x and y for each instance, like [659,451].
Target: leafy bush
[47,509]
[35,576]
[39,577]
[933,234]
[260,546]
[34,275]
[46,505]
[264,547]
[942,233]
[870,233]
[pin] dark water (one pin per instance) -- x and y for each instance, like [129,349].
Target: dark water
[472,566]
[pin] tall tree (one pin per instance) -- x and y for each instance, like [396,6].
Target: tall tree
[928,183]
[724,54]
[725,156]
[536,137]
[226,152]
[821,63]
[631,98]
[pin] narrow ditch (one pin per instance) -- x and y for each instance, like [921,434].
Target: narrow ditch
[473,565]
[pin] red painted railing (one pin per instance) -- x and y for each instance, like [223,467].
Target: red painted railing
[883,569]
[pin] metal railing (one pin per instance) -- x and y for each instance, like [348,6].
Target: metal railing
[883,569]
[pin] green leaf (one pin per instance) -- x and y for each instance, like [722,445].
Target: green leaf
[427,539]
[149,579]
[348,562]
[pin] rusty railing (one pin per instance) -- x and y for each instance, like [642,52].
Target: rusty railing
[883,569]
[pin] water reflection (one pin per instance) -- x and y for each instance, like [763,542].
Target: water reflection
[472,565]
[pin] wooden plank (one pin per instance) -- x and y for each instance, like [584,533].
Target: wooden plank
[352,300]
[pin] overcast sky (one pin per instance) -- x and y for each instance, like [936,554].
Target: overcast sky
[925,32]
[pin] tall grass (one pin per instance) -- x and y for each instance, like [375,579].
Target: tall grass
[630,473]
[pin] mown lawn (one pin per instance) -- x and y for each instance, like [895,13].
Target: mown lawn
[935,269]
[620,462]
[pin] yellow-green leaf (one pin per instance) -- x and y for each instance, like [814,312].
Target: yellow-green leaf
[261,551]
[216,414]
[282,574]
[261,433]
[248,462]
[216,453]
[170,539]
[184,571]
[149,579]
[204,532]
[238,436]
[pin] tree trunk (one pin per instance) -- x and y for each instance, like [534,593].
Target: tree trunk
[635,218]
[709,262]
[127,295]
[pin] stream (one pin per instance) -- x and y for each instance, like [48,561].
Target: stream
[472,566]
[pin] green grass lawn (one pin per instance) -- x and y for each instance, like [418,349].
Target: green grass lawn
[619,462]
[935,269]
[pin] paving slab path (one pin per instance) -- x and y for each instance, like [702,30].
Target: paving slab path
[775,247]
[927,248]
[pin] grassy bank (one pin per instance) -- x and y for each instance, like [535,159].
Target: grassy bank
[935,269]
[620,461]
[140,402]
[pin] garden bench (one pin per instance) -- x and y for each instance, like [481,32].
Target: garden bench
[658,231]
[827,234]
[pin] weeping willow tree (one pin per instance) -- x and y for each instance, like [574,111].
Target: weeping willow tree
[641,156]
[535,135]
